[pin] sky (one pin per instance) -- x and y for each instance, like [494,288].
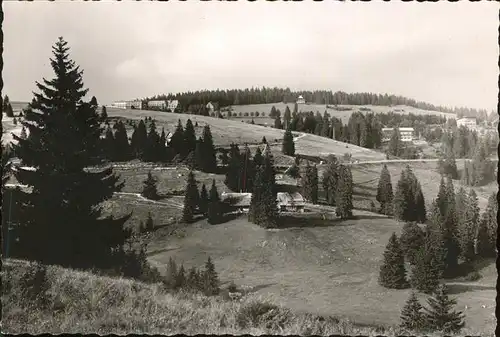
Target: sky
[442,53]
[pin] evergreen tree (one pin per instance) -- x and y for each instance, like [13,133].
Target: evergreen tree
[487,231]
[288,147]
[191,161]
[192,280]
[330,179]
[177,142]
[468,226]
[343,196]
[203,200]
[439,315]
[152,144]
[180,279]
[214,206]
[109,145]
[395,145]
[287,117]
[139,140]
[247,174]
[420,209]
[449,230]
[191,199]
[6,102]
[9,112]
[189,136]
[150,226]
[149,190]
[392,271]
[428,264]
[211,283]
[104,113]
[199,156]
[412,317]
[263,205]
[64,140]
[278,124]
[258,159]
[232,180]
[384,192]
[171,274]
[412,238]
[310,184]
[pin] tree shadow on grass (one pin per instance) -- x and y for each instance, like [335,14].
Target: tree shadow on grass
[455,288]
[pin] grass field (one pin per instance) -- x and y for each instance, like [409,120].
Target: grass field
[343,115]
[327,270]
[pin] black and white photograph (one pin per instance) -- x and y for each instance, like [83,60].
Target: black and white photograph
[249,167]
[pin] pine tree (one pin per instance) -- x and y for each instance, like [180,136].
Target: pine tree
[64,140]
[449,230]
[171,274]
[468,226]
[264,140]
[288,147]
[149,226]
[192,280]
[199,156]
[384,192]
[190,161]
[428,264]
[180,279]
[191,199]
[10,112]
[278,124]
[263,206]
[412,238]
[247,173]
[6,102]
[258,159]
[487,231]
[343,196]
[392,271]
[177,142]
[400,198]
[139,140]
[152,144]
[310,184]
[149,191]
[232,180]
[209,157]
[109,145]
[121,145]
[412,317]
[420,209]
[104,114]
[439,315]
[211,284]
[330,179]
[203,200]
[214,206]
[189,136]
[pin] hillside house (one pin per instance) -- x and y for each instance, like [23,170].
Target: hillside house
[137,104]
[406,134]
[172,105]
[212,107]
[157,104]
[237,202]
[290,202]
[468,122]
[301,100]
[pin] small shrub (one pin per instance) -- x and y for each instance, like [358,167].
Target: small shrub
[252,314]
[232,287]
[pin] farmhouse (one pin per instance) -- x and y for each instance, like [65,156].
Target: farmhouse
[286,202]
[468,122]
[137,104]
[212,107]
[301,100]
[172,105]
[406,134]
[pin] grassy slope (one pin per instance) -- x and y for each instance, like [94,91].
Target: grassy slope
[81,302]
[227,131]
[329,270]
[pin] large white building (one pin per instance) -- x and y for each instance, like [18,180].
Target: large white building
[468,122]
[137,104]
[406,134]
[172,104]
[159,104]
[301,100]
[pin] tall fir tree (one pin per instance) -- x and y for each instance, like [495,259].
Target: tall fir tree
[121,144]
[232,180]
[177,142]
[330,180]
[64,140]
[149,190]
[428,266]
[412,238]
[310,184]
[108,145]
[420,208]
[412,316]
[139,140]
[209,155]
[214,211]
[440,316]
[104,114]
[288,147]
[191,199]
[211,283]
[203,200]
[487,232]
[343,201]
[247,174]
[468,227]
[152,152]
[189,136]
[385,194]
[392,271]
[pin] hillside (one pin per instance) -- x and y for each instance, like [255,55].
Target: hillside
[343,115]
[315,268]
[227,131]
[84,303]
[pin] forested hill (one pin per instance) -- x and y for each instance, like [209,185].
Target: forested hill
[274,95]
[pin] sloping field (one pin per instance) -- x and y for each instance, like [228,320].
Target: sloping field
[227,131]
[343,115]
[329,270]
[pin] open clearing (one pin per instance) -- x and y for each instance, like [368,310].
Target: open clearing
[330,269]
[226,131]
[343,115]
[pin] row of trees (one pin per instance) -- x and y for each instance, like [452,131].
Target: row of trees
[274,95]
[194,279]
[456,232]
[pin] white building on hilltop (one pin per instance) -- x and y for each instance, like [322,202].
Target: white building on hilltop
[301,100]
[158,104]
[468,122]
[137,104]
[406,134]
[172,104]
